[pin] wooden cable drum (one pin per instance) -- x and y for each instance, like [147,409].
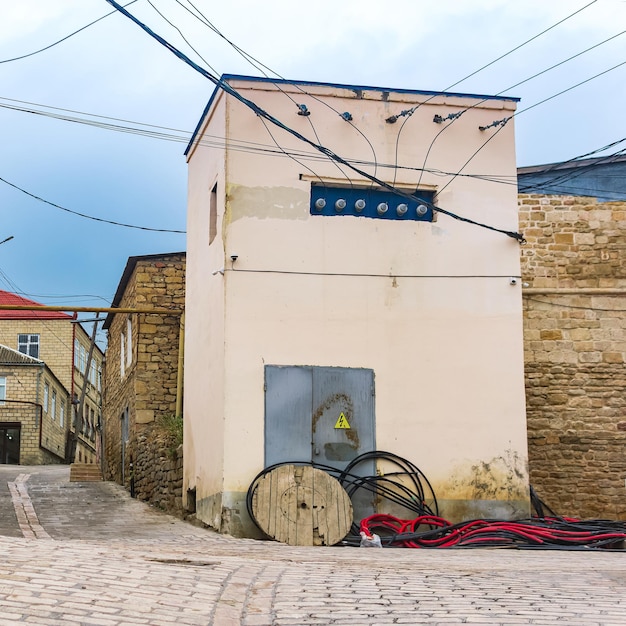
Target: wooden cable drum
[302,506]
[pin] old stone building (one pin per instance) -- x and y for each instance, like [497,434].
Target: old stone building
[59,344]
[141,379]
[575,349]
[34,411]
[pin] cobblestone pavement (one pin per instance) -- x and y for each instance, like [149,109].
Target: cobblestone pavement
[86,553]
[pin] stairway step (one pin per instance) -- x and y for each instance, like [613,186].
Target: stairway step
[85,472]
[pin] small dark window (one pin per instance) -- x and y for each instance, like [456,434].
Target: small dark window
[213,214]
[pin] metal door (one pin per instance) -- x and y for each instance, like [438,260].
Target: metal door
[321,414]
[10,443]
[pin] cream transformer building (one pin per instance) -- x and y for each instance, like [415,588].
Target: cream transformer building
[314,293]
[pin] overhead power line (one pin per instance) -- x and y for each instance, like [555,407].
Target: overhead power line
[30,54]
[409,112]
[261,67]
[506,54]
[322,149]
[532,106]
[89,217]
[548,69]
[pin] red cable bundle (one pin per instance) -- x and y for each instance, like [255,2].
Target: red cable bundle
[430,531]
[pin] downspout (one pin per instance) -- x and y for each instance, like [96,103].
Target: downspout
[180,366]
[39,373]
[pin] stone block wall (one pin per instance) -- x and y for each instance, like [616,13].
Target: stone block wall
[159,471]
[575,352]
[56,341]
[24,394]
[148,384]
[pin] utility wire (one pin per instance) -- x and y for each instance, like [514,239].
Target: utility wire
[575,173]
[532,106]
[548,69]
[408,113]
[218,82]
[562,164]
[506,54]
[89,217]
[255,147]
[30,54]
[261,67]
[180,32]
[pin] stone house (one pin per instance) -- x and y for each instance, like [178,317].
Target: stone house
[314,292]
[53,339]
[575,351]
[34,411]
[141,376]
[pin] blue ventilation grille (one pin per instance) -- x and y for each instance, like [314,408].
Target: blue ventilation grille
[373,203]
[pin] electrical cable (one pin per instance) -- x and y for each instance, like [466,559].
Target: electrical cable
[561,164]
[30,54]
[579,170]
[562,305]
[517,113]
[90,217]
[409,488]
[414,496]
[360,275]
[513,87]
[262,67]
[410,112]
[255,147]
[428,531]
[180,32]
[261,113]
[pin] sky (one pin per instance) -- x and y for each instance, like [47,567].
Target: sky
[113,69]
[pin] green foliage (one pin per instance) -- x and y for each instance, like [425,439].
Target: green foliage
[172,427]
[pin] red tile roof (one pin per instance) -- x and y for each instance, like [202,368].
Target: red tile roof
[8,298]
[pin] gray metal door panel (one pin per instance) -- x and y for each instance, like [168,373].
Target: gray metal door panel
[342,397]
[307,414]
[288,399]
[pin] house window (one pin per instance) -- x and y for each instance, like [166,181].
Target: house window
[28,344]
[122,355]
[129,341]
[46,394]
[93,372]
[83,360]
[62,415]
[3,389]
[213,214]
[53,405]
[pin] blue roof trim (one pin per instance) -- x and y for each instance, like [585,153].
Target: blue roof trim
[281,81]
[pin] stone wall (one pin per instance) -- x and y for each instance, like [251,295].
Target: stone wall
[42,439]
[575,349]
[147,385]
[159,471]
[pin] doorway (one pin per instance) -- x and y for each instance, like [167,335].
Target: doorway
[10,443]
[323,415]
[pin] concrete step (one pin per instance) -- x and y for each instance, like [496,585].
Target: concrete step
[85,472]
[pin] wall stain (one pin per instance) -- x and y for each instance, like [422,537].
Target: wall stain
[336,398]
[288,203]
[504,477]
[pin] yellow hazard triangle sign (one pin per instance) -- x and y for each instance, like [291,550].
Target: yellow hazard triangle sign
[342,422]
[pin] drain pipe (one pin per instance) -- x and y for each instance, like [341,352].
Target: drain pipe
[180,370]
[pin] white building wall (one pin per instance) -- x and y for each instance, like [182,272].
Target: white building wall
[428,306]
